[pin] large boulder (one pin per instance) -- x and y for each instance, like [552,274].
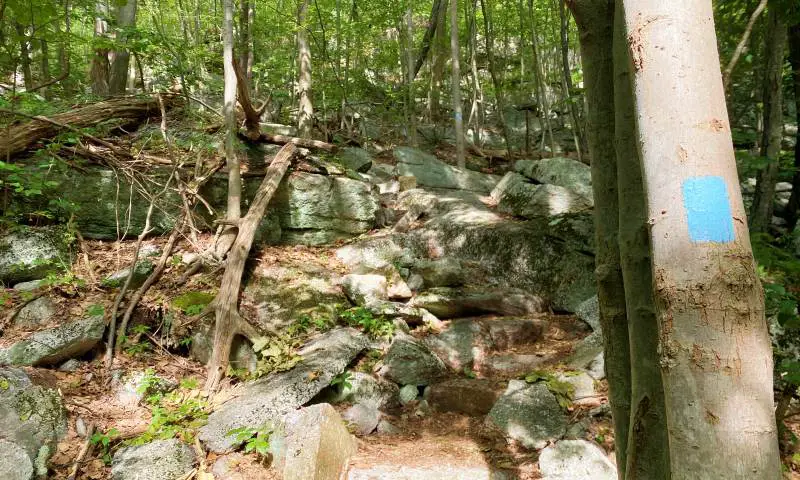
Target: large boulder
[312,444]
[433,173]
[266,400]
[411,362]
[33,420]
[528,414]
[32,253]
[564,172]
[363,388]
[575,460]
[36,313]
[54,345]
[158,460]
[447,302]
[530,201]
[469,396]
[365,289]
[356,159]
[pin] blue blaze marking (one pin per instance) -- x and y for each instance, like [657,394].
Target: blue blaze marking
[708,209]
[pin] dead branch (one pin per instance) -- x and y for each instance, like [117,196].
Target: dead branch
[226,304]
[84,451]
[252,117]
[300,142]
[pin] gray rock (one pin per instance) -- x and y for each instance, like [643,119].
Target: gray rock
[474,397]
[531,201]
[242,356]
[509,182]
[411,315]
[411,362]
[32,253]
[443,272]
[375,255]
[386,428]
[528,414]
[365,389]
[29,286]
[397,288]
[356,159]
[312,444]
[158,460]
[364,418]
[432,172]
[34,421]
[597,368]
[266,400]
[585,393]
[441,471]
[457,345]
[70,365]
[365,289]
[382,170]
[589,312]
[56,344]
[511,364]
[415,282]
[141,271]
[563,172]
[408,394]
[453,303]
[586,351]
[15,464]
[134,387]
[36,313]
[575,460]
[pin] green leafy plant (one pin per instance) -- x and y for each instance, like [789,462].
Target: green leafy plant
[103,441]
[177,414]
[342,381]
[254,439]
[275,354]
[563,391]
[374,326]
[95,310]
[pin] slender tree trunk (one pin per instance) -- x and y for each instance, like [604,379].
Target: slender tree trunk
[715,352]
[577,130]
[246,38]
[647,453]
[234,208]
[496,81]
[125,17]
[45,65]
[595,20]
[540,85]
[100,67]
[742,45]
[764,198]
[24,56]
[476,112]
[411,113]
[794,55]
[437,68]
[305,117]
[458,114]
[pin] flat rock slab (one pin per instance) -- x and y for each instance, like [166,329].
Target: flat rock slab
[365,389]
[312,444]
[411,362]
[54,345]
[438,472]
[575,460]
[564,172]
[268,399]
[474,397]
[159,460]
[445,302]
[434,173]
[529,414]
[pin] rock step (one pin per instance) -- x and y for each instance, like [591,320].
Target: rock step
[434,472]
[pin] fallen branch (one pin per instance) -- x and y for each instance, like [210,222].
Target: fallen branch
[228,322]
[84,451]
[300,142]
[18,138]
[252,117]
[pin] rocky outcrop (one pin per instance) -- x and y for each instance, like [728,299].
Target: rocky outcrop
[36,313]
[433,173]
[54,345]
[454,303]
[410,362]
[33,420]
[365,389]
[563,172]
[266,400]
[159,460]
[30,253]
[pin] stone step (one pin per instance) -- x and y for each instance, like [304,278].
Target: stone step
[433,472]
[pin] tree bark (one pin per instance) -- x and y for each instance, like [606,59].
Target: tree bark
[647,452]
[742,45]
[496,81]
[438,63]
[100,67]
[455,83]
[24,56]
[305,117]
[228,322]
[476,112]
[715,351]
[595,20]
[411,107]
[793,208]
[246,14]
[234,200]
[764,198]
[572,104]
[124,17]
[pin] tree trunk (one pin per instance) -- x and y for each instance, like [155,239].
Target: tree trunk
[595,20]
[715,351]
[246,38]
[411,110]
[305,116]
[24,56]
[437,68]
[742,45]
[496,82]
[425,47]
[234,201]
[476,111]
[228,322]
[125,18]
[541,86]
[793,208]
[572,104]
[100,67]
[45,63]
[764,198]
[455,82]
[647,453]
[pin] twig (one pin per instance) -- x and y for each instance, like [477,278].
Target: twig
[87,446]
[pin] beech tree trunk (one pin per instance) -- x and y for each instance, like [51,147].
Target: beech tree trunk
[125,17]
[305,117]
[228,323]
[438,64]
[764,198]
[793,208]
[100,66]
[458,114]
[234,200]
[715,351]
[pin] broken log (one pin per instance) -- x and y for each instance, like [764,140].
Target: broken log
[300,142]
[19,137]
[252,117]
[228,322]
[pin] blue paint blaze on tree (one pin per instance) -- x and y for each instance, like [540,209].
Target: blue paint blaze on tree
[708,209]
